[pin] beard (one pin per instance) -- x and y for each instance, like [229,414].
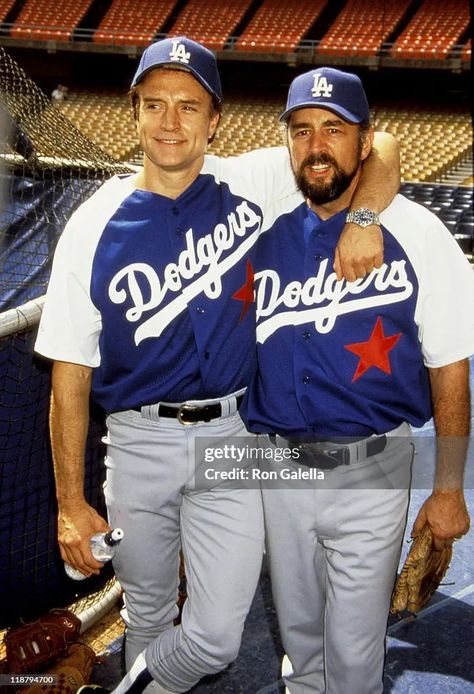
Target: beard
[322,192]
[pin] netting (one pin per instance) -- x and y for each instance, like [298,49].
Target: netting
[47,168]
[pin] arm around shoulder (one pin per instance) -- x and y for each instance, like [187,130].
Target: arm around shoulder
[383,165]
[359,250]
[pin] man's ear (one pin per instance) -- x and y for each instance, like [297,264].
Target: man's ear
[136,119]
[213,123]
[367,144]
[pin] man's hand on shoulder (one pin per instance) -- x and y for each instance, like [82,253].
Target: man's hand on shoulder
[358,251]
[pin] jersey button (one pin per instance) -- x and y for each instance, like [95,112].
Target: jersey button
[175,210]
[321,234]
[317,256]
[199,309]
[306,379]
[206,355]
[306,335]
[179,231]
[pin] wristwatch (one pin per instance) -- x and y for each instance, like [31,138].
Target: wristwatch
[363,217]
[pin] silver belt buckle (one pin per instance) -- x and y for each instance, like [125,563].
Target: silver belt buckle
[182,409]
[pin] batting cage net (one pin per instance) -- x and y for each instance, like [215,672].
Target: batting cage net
[47,168]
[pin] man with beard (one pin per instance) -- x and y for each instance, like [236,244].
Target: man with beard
[344,369]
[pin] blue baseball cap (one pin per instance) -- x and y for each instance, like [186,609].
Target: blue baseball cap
[183,53]
[325,87]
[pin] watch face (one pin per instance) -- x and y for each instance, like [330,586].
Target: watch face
[364,217]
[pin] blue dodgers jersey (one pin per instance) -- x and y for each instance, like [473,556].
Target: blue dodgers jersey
[173,282]
[334,358]
[156,295]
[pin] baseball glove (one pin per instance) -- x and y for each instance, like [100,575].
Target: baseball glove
[422,572]
[34,646]
[70,673]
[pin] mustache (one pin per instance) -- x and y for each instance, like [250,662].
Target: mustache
[314,159]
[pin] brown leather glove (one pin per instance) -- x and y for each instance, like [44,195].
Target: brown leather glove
[34,646]
[70,673]
[422,572]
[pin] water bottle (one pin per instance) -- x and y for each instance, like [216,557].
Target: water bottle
[103,548]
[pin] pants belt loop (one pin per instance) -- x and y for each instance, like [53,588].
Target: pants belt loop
[151,412]
[229,406]
[361,449]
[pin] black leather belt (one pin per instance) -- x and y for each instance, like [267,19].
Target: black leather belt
[187,413]
[326,455]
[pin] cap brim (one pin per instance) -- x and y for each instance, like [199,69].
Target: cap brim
[175,66]
[344,113]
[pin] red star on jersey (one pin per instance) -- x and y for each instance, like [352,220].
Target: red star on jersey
[246,292]
[375,351]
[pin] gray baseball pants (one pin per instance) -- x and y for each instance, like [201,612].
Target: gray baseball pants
[333,548]
[151,494]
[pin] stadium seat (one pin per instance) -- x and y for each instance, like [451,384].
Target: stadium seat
[466,52]
[37,19]
[207,22]
[361,27]
[434,30]
[5,7]
[128,22]
[279,26]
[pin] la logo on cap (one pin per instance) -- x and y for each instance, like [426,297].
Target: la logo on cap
[321,86]
[178,52]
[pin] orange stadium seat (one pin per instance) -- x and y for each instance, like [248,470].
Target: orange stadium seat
[129,22]
[434,30]
[279,26]
[5,7]
[361,27]
[466,52]
[208,22]
[43,20]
